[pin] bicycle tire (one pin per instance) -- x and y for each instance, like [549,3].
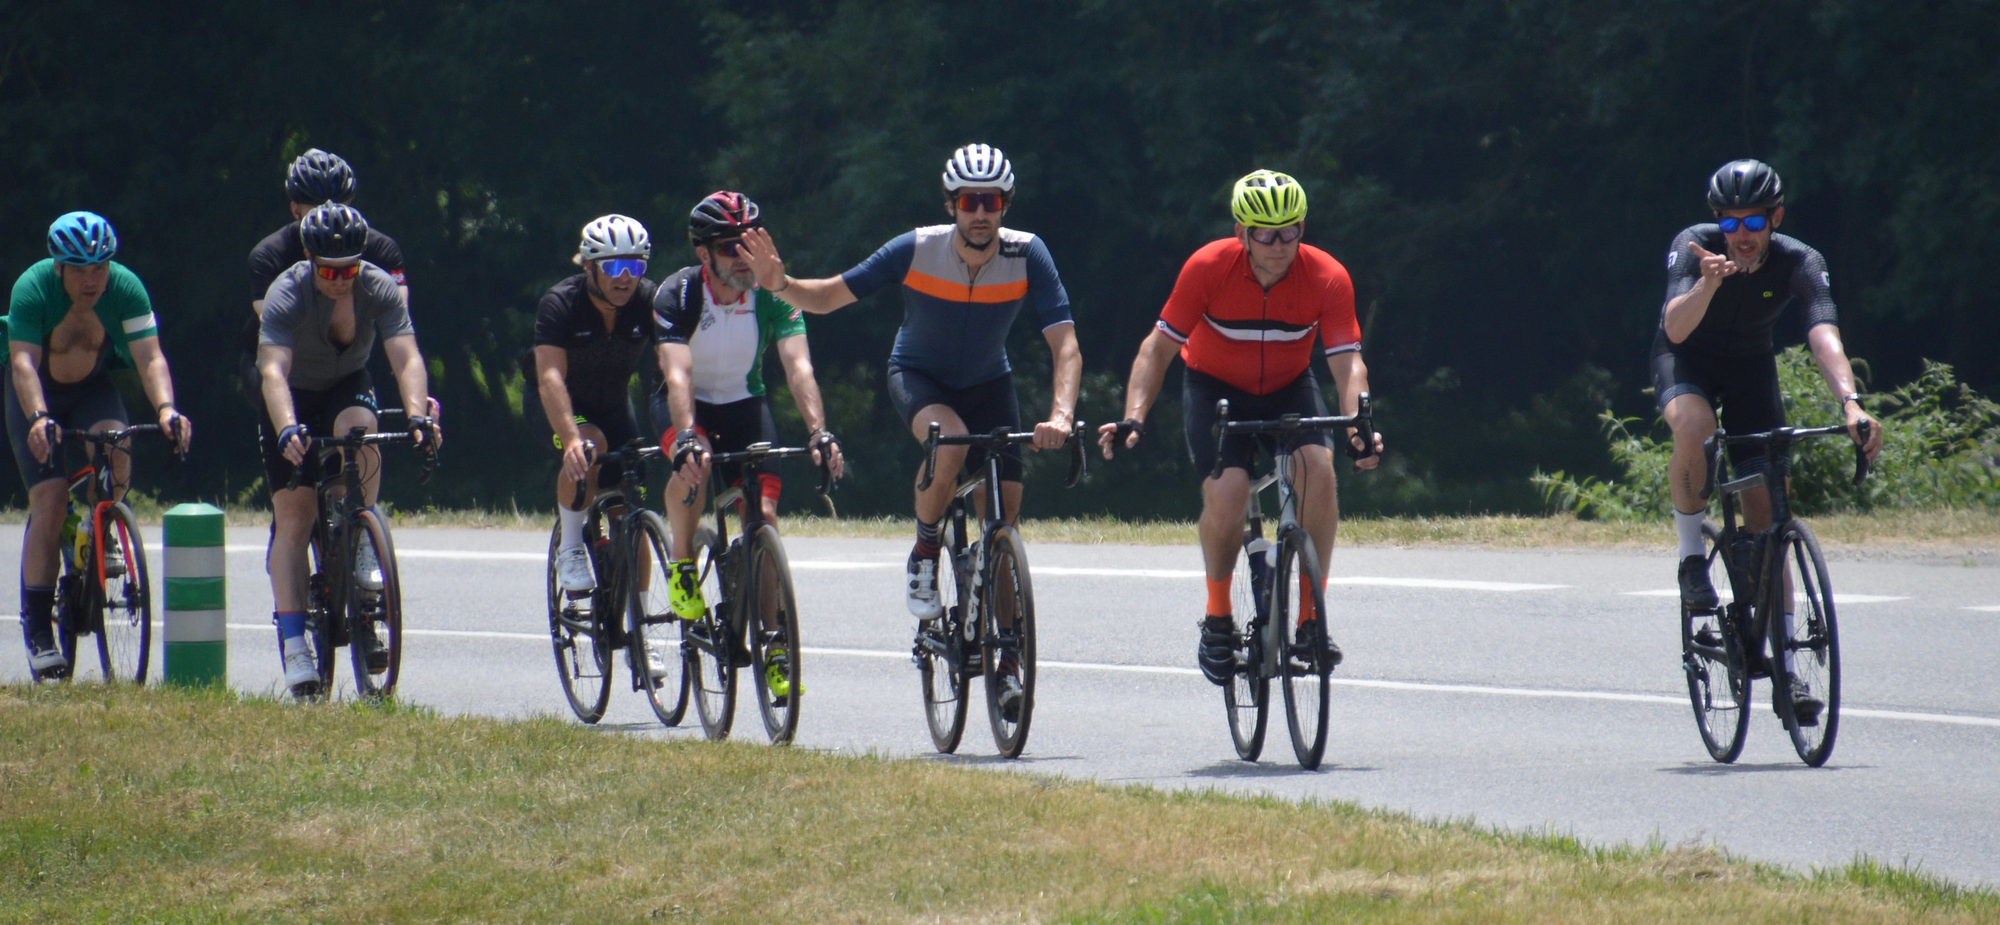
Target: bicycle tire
[712,672]
[321,625]
[1712,651]
[771,572]
[946,684]
[379,612]
[651,623]
[1813,641]
[1247,696]
[1008,596]
[123,604]
[582,648]
[70,604]
[1299,631]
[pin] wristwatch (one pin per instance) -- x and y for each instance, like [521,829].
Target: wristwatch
[1849,397]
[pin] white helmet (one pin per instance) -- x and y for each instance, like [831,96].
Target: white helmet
[978,165]
[614,236]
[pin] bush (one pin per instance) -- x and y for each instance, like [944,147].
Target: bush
[1940,439]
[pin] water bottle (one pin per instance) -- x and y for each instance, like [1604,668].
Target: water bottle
[1258,550]
[71,542]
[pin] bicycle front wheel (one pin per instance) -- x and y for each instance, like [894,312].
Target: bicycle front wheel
[582,647]
[774,636]
[1007,639]
[324,606]
[1247,696]
[940,647]
[1305,653]
[717,639]
[656,635]
[374,607]
[1805,648]
[1712,657]
[124,598]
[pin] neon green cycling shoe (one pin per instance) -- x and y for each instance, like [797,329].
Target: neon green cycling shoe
[684,592]
[777,677]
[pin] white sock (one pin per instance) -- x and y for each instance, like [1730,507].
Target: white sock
[1791,623]
[572,525]
[1689,528]
[294,646]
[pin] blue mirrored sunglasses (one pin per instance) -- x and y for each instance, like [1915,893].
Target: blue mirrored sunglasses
[1751,223]
[622,266]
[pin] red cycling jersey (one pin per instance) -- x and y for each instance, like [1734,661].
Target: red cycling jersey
[1259,341]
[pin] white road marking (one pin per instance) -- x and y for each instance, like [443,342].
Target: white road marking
[1987,608]
[1839,597]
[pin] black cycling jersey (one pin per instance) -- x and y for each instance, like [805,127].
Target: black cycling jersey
[1746,306]
[276,254]
[601,363]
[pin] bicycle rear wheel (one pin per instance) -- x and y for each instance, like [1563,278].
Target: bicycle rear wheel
[1007,639]
[1805,647]
[774,636]
[582,647]
[940,647]
[656,633]
[1247,696]
[1299,630]
[717,637]
[375,618]
[124,602]
[1713,659]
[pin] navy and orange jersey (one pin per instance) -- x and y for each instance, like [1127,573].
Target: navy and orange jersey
[1230,327]
[955,321]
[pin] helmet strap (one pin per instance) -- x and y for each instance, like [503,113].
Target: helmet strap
[968,242]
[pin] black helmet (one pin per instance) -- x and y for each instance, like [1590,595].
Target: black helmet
[1745,184]
[317,177]
[334,232]
[722,214]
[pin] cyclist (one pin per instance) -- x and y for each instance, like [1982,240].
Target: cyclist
[1728,281]
[320,323]
[68,317]
[592,332]
[314,179]
[714,326]
[963,285]
[1244,316]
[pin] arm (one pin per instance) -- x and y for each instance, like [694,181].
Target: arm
[1149,370]
[1350,379]
[796,357]
[24,360]
[274,365]
[552,384]
[817,296]
[1067,362]
[1831,357]
[1683,313]
[412,380]
[159,383]
[677,378]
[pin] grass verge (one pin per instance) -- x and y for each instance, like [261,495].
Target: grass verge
[161,806]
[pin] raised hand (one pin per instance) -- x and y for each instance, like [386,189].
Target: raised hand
[764,260]
[1713,266]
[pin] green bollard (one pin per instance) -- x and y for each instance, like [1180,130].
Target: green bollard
[197,647]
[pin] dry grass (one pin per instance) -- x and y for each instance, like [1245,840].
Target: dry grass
[120,805]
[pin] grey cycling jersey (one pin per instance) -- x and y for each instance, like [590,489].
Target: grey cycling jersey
[296,315]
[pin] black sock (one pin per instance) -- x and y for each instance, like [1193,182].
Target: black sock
[38,606]
[929,540]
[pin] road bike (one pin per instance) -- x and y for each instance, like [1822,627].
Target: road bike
[1286,639]
[105,588]
[746,581]
[347,603]
[988,626]
[629,610]
[1723,648]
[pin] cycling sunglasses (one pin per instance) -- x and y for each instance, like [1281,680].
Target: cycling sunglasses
[622,266]
[1751,223]
[973,202]
[1285,235]
[727,248]
[325,272]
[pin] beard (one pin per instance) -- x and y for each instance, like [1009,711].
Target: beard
[744,281]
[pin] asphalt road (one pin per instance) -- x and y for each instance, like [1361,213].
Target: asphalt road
[1534,691]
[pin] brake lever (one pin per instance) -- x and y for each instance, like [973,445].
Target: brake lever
[1861,463]
[930,457]
[1711,456]
[590,457]
[1221,418]
[1079,460]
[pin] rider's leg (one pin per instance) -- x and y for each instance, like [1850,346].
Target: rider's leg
[1319,505]
[573,517]
[370,457]
[1692,421]
[931,502]
[40,560]
[1223,501]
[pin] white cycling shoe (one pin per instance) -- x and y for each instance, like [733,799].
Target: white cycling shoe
[573,570]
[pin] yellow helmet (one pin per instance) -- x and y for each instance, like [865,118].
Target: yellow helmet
[1268,199]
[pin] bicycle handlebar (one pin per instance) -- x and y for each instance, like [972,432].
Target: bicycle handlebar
[359,437]
[1783,437]
[759,451]
[110,438]
[1000,437]
[1363,422]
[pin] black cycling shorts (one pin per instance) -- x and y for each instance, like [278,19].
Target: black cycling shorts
[317,411]
[78,405]
[983,407]
[1199,393]
[730,427]
[1746,387]
[620,425]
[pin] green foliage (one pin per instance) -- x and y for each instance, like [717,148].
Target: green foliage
[1939,441]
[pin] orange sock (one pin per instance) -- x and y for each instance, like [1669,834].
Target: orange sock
[1218,597]
[1306,611]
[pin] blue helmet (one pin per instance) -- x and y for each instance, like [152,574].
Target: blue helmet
[81,239]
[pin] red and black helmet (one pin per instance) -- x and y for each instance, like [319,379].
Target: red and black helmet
[722,214]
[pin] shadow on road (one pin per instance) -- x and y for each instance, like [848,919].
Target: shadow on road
[1713,769]
[1242,770]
